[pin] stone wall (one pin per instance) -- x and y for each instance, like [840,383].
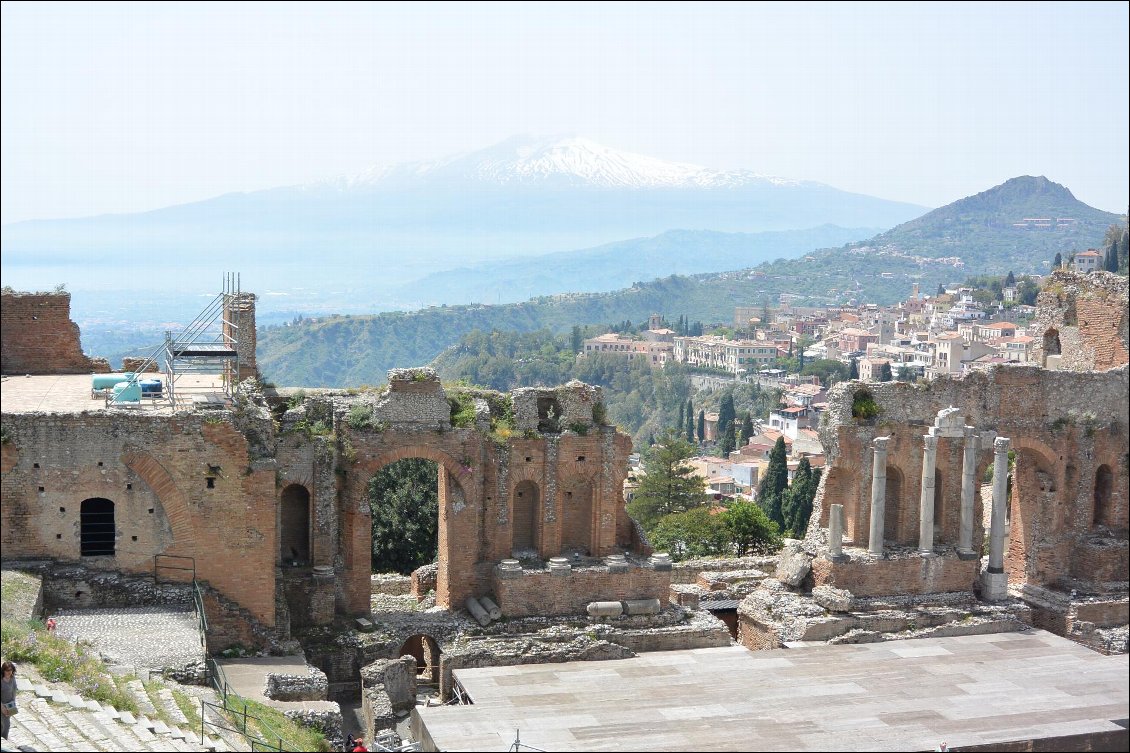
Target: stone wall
[311,686]
[1081,322]
[37,336]
[542,592]
[180,486]
[1067,429]
[908,574]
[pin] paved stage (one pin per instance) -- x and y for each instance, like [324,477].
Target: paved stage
[898,695]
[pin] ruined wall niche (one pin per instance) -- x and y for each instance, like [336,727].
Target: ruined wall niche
[1084,318]
[1104,509]
[577,507]
[294,526]
[526,507]
[894,507]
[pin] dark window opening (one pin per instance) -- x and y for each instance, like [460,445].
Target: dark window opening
[1104,481]
[549,415]
[96,528]
[294,538]
[211,482]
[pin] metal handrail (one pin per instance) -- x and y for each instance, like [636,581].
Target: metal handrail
[256,743]
[157,563]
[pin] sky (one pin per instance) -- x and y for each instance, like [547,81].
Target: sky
[109,107]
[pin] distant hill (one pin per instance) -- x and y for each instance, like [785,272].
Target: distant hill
[1014,226]
[618,265]
[341,351]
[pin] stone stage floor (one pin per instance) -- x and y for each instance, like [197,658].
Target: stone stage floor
[898,695]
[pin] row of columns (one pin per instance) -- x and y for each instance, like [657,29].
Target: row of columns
[926,499]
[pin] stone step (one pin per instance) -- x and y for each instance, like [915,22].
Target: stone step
[160,728]
[42,691]
[169,704]
[127,717]
[24,684]
[76,702]
[141,697]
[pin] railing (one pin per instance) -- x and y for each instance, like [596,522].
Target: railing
[241,719]
[160,563]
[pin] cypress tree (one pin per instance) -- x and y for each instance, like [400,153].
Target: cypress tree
[1010,281]
[747,430]
[702,426]
[688,429]
[1112,257]
[1058,262]
[682,414]
[853,371]
[885,374]
[772,489]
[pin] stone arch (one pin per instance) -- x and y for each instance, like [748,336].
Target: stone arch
[894,510]
[169,496]
[426,650]
[451,526]
[294,525]
[1052,345]
[577,511]
[97,528]
[1034,492]
[525,516]
[1103,512]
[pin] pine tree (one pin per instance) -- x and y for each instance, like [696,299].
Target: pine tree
[702,426]
[772,489]
[747,430]
[668,485]
[1058,262]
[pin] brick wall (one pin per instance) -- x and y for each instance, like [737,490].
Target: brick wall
[37,335]
[538,592]
[904,576]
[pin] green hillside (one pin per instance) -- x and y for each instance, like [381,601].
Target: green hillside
[972,236]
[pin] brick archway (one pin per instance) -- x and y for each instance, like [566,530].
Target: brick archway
[169,496]
[1037,485]
[458,522]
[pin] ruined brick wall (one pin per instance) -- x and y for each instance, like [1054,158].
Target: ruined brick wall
[543,593]
[155,469]
[897,577]
[1068,429]
[1084,318]
[37,336]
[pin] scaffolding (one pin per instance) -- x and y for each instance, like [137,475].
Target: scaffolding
[208,346]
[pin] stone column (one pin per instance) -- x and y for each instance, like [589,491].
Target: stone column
[926,504]
[968,489]
[994,581]
[878,495]
[836,533]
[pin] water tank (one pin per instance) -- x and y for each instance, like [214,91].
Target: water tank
[106,381]
[150,387]
[124,392]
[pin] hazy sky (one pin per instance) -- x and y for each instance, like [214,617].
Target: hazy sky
[126,107]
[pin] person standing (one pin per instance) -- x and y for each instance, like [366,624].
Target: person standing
[7,697]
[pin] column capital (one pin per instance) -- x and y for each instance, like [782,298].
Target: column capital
[931,441]
[970,433]
[879,444]
[1001,444]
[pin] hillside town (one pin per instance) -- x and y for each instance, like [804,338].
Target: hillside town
[956,331]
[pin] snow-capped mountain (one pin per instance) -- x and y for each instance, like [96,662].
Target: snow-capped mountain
[525,160]
[521,198]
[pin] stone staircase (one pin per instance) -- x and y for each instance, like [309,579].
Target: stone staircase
[54,719]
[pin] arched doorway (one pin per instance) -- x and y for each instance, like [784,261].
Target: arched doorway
[1034,509]
[1051,347]
[97,532]
[425,649]
[525,519]
[404,500]
[294,526]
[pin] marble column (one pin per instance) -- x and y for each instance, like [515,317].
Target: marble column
[994,580]
[836,533]
[968,489]
[878,495]
[926,504]
[1000,500]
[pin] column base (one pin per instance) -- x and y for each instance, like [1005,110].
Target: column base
[926,553]
[994,586]
[967,554]
[838,558]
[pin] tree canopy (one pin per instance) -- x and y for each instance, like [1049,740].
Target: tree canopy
[669,484]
